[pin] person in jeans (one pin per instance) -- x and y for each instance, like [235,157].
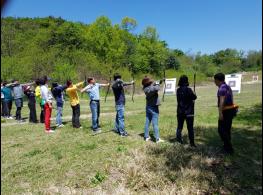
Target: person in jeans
[38,99]
[30,93]
[93,92]
[185,109]
[18,98]
[118,90]
[7,101]
[57,91]
[151,89]
[47,100]
[226,110]
[74,102]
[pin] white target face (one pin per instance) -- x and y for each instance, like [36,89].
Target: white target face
[234,81]
[170,86]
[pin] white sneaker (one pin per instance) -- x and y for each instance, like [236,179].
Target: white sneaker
[159,140]
[49,131]
[147,139]
[60,125]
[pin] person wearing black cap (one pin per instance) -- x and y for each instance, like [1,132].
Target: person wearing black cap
[185,109]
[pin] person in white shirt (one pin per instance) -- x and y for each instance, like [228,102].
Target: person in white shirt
[47,98]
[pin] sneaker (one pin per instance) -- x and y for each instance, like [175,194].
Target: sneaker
[96,130]
[21,120]
[10,117]
[180,141]
[60,125]
[49,131]
[147,139]
[159,140]
[125,134]
[57,125]
[193,145]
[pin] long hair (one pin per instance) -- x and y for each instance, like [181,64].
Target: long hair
[183,81]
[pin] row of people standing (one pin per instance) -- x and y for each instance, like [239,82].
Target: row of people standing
[185,105]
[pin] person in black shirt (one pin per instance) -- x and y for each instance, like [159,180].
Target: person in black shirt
[31,103]
[185,109]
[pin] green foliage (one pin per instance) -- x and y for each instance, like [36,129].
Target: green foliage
[31,48]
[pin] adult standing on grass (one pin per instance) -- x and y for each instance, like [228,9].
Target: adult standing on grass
[47,100]
[118,90]
[185,109]
[7,101]
[30,93]
[57,91]
[226,110]
[38,99]
[74,102]
[93,91]
[151,89]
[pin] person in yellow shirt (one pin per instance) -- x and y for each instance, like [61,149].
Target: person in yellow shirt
[74,102]
[38,99]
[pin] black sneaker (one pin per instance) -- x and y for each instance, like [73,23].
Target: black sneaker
[180,140]
[193,145]
[125,134]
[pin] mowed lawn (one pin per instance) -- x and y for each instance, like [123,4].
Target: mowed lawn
[75,161]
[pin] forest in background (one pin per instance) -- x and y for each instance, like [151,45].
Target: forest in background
[33,47]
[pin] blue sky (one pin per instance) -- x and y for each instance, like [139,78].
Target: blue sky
[190,25]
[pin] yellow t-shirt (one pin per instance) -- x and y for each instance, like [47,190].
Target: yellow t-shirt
[73,94]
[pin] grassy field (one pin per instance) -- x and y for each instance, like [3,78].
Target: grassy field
[74,161]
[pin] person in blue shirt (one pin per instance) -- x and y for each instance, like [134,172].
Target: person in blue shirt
[8,98]
[118,90]
[57,91]
[93,92]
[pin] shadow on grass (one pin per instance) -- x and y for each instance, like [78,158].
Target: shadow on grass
[251,116]
[207,167]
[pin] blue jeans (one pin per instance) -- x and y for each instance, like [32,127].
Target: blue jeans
[152,115]
[119,120]
[95,111]
[59,115]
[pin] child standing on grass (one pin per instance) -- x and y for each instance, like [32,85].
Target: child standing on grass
[118,90]
[74,102]
[57,91]
[185,109]
[47,100]
[93,92]
[151,89]
[226,110]
[8,98]
[38,99]
[31,104]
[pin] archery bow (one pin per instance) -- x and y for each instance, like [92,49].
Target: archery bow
[108,88]
[132,74]
[194,80]
[164,83]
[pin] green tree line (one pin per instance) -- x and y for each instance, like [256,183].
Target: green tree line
[33,47]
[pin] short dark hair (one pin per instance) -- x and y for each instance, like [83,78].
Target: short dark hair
[183,81]
[146,81]
[90,78]
[219,76]
[4,83]
[37,81]
[116,76]
[42,81]
[69,82]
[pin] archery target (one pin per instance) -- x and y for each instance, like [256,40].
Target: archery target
[170,87]
[234,81]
